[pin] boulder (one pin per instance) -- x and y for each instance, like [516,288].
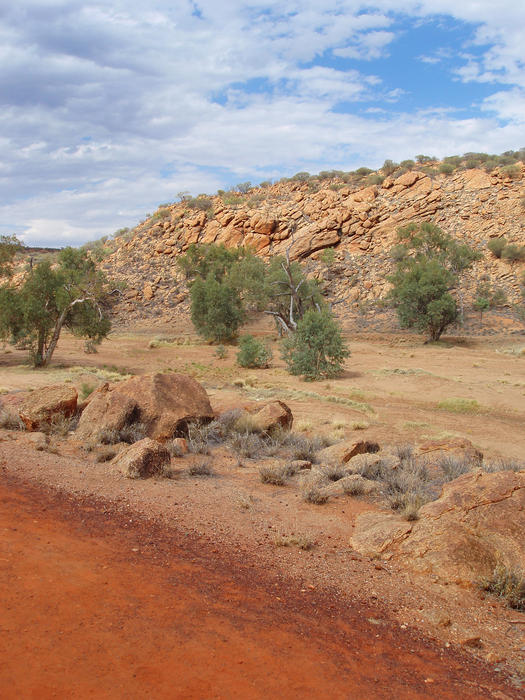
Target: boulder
[361,463]
[44,405]
[456,447]
[376,533]
[476,524]
[143,459]
[107,411]
[273,415]
[167,403]
[342,452]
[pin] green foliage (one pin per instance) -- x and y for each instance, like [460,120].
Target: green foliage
[514,253]
[425,275]
[9,246]
[497,246]
[202,260]
[389,166]
[216,309]
[488,297]
[327,257]
[316,349]
[446,168]
[407,164]
[511,171]
[253,353]
[71,294]
[363,172]
[423,160]
[221,352]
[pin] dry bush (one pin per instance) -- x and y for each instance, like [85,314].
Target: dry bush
[248,445]
[302,447]
[275,474]
[360,425]
[354,488]
[105,455]
[312,494]
[201,468]
[453,466]
[198,439]
[333,472]
[503,465]
[508,584]
[302,541]
[60,425]
[10,421]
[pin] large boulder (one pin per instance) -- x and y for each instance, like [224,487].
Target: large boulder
[342,452]
[48,404]
[476,524]
[143,459]
[164,403]
[107,411]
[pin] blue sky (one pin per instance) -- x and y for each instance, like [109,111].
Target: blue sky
[108,108]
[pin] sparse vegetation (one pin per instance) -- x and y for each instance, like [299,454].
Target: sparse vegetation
[459,405]
[276,475]
[313,494]
[253,353]
[508,584]
[200,468]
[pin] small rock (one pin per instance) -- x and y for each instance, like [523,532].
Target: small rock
[143,459]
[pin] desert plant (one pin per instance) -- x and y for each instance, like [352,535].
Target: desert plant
[200,468]
[497,246]
[86,390]
[333,472]
[423,279]
[10,421]
[514,253]
[221,353]
[453,466]
[312,494]
[327,257]
[273,474]
[459,405]
[316,349]
[508,584]
[253,353]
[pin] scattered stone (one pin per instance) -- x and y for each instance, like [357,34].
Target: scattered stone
[342,452]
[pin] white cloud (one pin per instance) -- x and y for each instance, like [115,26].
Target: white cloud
[109,107]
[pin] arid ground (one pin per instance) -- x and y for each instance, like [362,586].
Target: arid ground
[197,587]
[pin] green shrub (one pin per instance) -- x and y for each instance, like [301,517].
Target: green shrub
[316,349]
[216,309]
[514,253]
[221,353]
[446,168]
[497,246]
[253,353]
[327,257]
[511,171]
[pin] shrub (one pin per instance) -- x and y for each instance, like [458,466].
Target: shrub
[511,171]
[10,421]
[333,472]
[312,494]
[200,468]
[86,390]
[497,246]
[273,474]
[317,348]
[216,309]
[508,584]
[514,253]
[253,353]
[221,353]
[446,168]
[327,257]
[459,405]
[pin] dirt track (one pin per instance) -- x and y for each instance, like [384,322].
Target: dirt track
[106,605]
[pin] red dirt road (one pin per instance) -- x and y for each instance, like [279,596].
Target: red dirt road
[101,604]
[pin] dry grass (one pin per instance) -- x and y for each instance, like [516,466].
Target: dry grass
[275,474]
[302,541]
[508,584]
[459,405]
[200,468]
[10,421]
[313,494]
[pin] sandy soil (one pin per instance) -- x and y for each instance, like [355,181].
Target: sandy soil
[226,532]
[100,604]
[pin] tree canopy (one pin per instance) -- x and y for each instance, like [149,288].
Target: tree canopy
[71,294]
[429,264]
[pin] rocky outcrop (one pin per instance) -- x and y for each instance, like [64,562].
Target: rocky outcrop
[48,404]
[164,403]
[460,448]
[358,221]
[476,524]
[143,459]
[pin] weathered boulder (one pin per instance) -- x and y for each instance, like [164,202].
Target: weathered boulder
[107,411]
[342,452]
[456,447]
[272,416]
[47,404]
[477,523]
[366,462]
[376,533]
[143,459]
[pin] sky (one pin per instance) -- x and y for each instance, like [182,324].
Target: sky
[110,108]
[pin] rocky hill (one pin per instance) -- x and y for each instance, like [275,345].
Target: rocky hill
[356,220]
